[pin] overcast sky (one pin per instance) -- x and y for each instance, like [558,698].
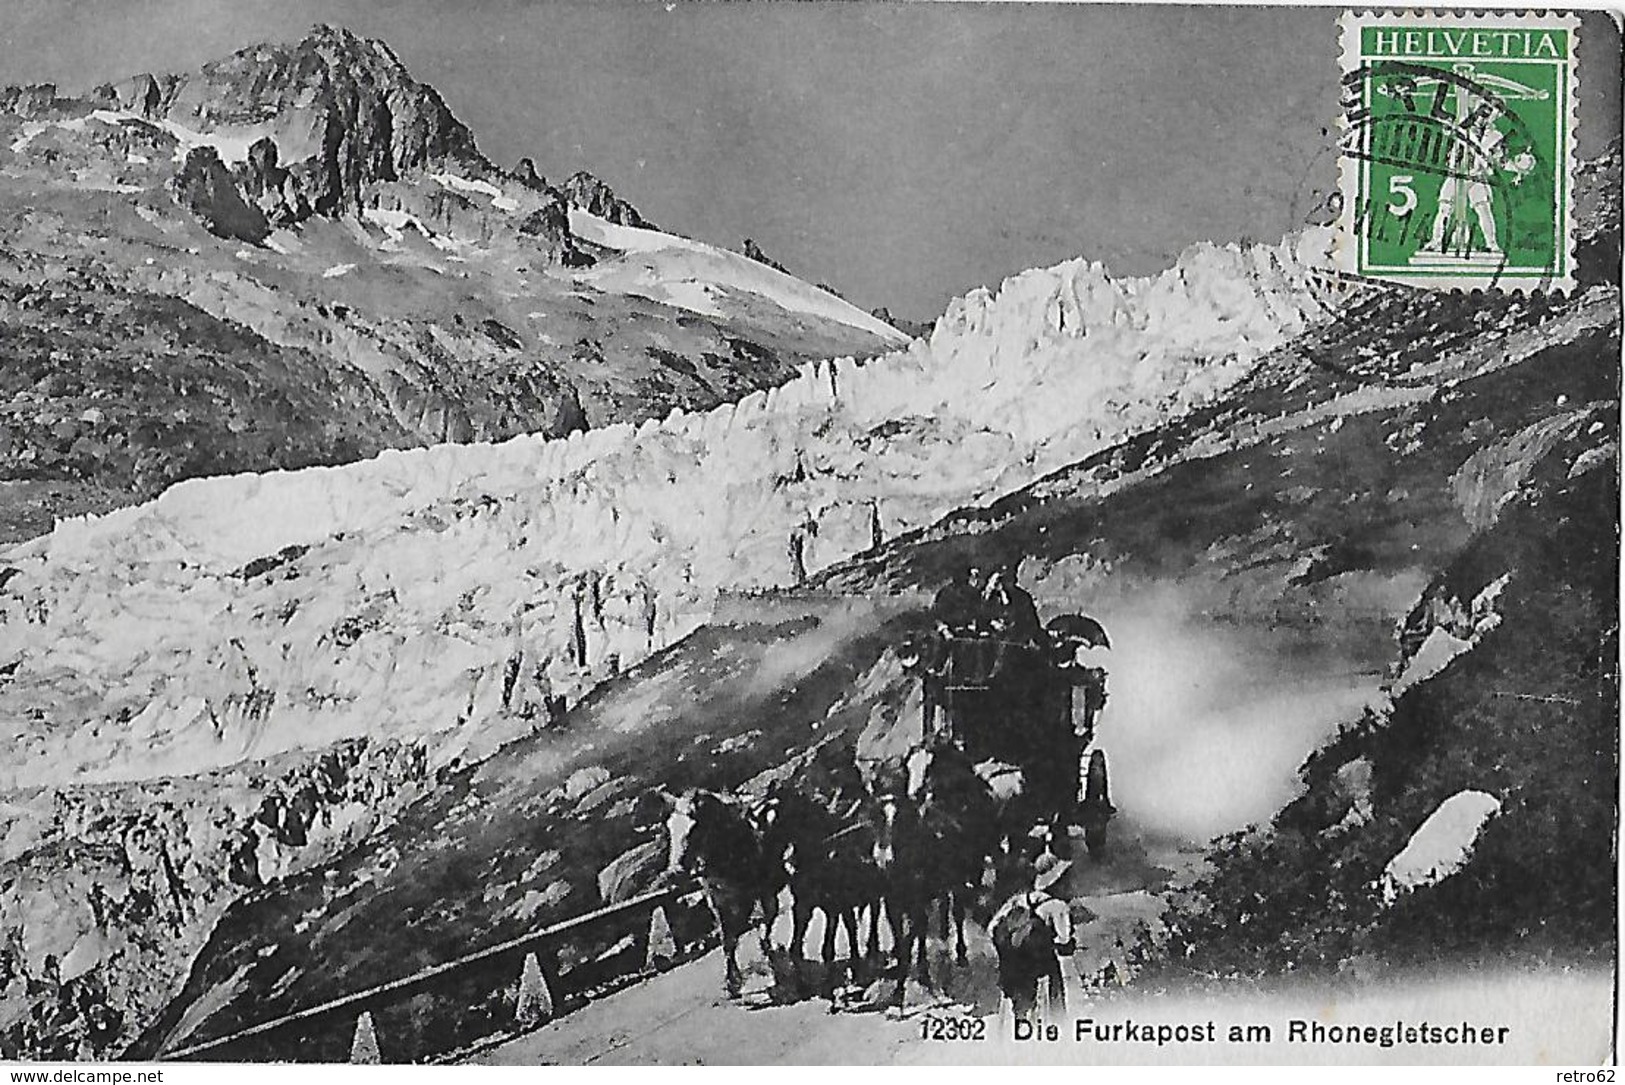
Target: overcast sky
[903,153]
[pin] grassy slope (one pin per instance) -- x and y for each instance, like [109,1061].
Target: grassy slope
[1529,714]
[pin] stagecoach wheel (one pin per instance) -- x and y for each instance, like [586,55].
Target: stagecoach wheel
[1097,810]
[1094,837]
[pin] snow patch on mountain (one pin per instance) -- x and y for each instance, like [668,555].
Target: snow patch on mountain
[230,142]
[1457,629]
[1440,846]
[484,188]
[681,272]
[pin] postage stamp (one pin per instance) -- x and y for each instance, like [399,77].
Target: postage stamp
[1457,149]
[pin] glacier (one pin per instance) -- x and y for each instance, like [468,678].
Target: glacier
[451,595]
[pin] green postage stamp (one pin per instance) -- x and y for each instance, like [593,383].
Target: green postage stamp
[1457,149]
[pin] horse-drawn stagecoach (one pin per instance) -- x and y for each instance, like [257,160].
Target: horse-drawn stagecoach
[1030,703]
[1000,750]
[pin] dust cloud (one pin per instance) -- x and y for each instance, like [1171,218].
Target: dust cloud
[788,659]
[1208,721]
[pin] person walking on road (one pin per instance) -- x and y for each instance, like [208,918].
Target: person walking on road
[1032,931]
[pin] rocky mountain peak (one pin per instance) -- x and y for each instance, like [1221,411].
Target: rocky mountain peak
[754,252]
[589,194]
[327,125]
[342,110]
[330,67]
[525,173]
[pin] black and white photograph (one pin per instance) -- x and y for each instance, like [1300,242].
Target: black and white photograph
[768,533]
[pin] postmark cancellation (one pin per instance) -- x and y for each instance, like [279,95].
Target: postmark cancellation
[1457,149]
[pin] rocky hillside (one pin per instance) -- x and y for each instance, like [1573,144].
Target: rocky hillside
[323,266]
[153,866]
[1506,687]
[1258,522]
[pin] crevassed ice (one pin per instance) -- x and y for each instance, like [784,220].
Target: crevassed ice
[432,575]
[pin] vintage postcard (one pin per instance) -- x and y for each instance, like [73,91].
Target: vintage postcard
[805,533]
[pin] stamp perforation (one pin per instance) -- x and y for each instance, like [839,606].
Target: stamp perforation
[1473,268]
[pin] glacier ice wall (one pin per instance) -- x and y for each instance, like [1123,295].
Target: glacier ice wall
[450,593]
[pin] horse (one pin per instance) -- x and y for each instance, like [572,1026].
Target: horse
[722,846]
[990,795]
[904,855]
[969,807]
[826,850]
[932,848]
[922,855]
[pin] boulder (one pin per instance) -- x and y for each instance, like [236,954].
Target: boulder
[28,101]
